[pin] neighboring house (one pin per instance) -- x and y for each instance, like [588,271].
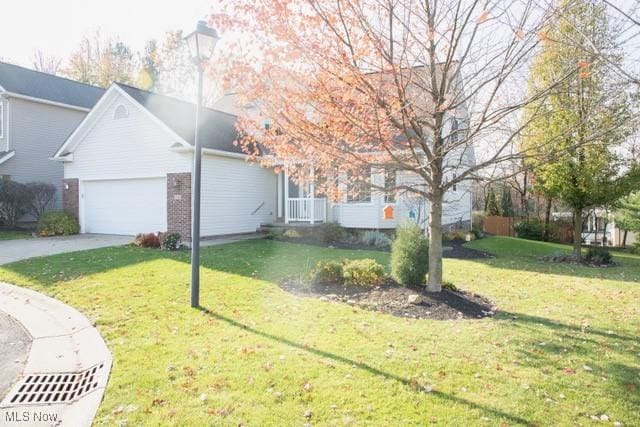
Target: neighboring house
[38,111]
[127,170]
[599,228]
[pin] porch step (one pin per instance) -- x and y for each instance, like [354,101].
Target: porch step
[281,226]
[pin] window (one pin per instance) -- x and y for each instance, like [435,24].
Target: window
[120,113]
[1,120]
[453,134]
[359,191]
[455,186]
[389,185]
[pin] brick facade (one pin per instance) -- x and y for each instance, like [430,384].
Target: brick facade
[179,204]
[71,196]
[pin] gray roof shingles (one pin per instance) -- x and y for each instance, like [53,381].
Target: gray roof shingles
[217,129]
[26,82]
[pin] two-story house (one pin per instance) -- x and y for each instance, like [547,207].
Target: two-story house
[38,111]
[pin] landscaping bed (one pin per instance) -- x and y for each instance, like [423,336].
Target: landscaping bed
[451,249]
[412,302]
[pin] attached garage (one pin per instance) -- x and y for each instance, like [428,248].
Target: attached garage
[127,169]
[124,206]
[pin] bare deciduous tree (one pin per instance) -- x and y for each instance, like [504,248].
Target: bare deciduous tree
[428,89]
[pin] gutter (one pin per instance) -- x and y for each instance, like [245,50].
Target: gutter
[44,101]
[211,152]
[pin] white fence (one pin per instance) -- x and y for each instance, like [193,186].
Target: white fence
[306,209]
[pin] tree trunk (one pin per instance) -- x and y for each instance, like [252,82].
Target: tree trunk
[547,220]
[577,235]
[434,284]
[624,239]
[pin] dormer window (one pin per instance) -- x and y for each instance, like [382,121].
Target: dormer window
[121,112]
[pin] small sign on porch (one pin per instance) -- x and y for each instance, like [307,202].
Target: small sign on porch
[387,212]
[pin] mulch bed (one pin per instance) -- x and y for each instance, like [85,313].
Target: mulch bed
[394,299]
[452,249]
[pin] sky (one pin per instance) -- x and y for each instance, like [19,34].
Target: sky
[57,26]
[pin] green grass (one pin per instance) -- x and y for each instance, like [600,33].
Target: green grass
[14,234]
[258,356]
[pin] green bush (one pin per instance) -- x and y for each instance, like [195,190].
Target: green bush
[58,223]
[292,234]
[635,249]
[329,232]
[598,256]
[376,239]
[327,272]
[363,272]
[531,230]
[170,241]
[410,255]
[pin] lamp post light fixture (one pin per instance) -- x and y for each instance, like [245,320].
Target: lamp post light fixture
[201,43]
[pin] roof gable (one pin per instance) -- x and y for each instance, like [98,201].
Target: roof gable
[218,131]
[217,128]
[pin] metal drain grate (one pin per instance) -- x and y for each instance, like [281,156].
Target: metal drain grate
[55,388]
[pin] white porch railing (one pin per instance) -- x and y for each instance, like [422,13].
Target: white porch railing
[306,209]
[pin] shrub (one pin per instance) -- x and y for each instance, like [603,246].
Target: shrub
[477,220]
[409,255]
[292,234]
[477,233]
[329,232]
[170,241]
[42,197]
[635,249]
[147,240]
[598,256]
[363,272]
[449,286]
[454,235]
[15,201]
[531,230]
[58,223]
[327,272]
[376,239]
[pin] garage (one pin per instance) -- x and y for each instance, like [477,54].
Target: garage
[124,206]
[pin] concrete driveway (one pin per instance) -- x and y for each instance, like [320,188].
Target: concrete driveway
[17,250]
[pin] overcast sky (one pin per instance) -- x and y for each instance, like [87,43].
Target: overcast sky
[57,26]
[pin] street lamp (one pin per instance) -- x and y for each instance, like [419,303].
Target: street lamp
[201,44]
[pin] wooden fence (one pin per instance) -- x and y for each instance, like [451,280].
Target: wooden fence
[500,225]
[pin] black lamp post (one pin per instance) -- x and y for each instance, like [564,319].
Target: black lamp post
[201,44]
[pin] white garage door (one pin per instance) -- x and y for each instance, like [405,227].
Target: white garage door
[124,206]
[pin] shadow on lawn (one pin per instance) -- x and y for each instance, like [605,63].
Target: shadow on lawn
[570,348]
[365,367]
[524,255]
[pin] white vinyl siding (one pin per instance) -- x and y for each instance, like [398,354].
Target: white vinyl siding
[124,206]
[237,196]
[130,147]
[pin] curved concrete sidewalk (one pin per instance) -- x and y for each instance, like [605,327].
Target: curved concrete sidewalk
[64,342]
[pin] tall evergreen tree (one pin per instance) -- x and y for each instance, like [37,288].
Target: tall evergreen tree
[506,203]
[628,216]
[492,204]
[584,120]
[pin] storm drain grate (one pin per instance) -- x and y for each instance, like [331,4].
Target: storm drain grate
[56,388]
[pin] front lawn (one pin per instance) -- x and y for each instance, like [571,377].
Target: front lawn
[14,234]
[563,350]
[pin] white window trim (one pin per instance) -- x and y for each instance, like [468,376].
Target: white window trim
[1,119]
